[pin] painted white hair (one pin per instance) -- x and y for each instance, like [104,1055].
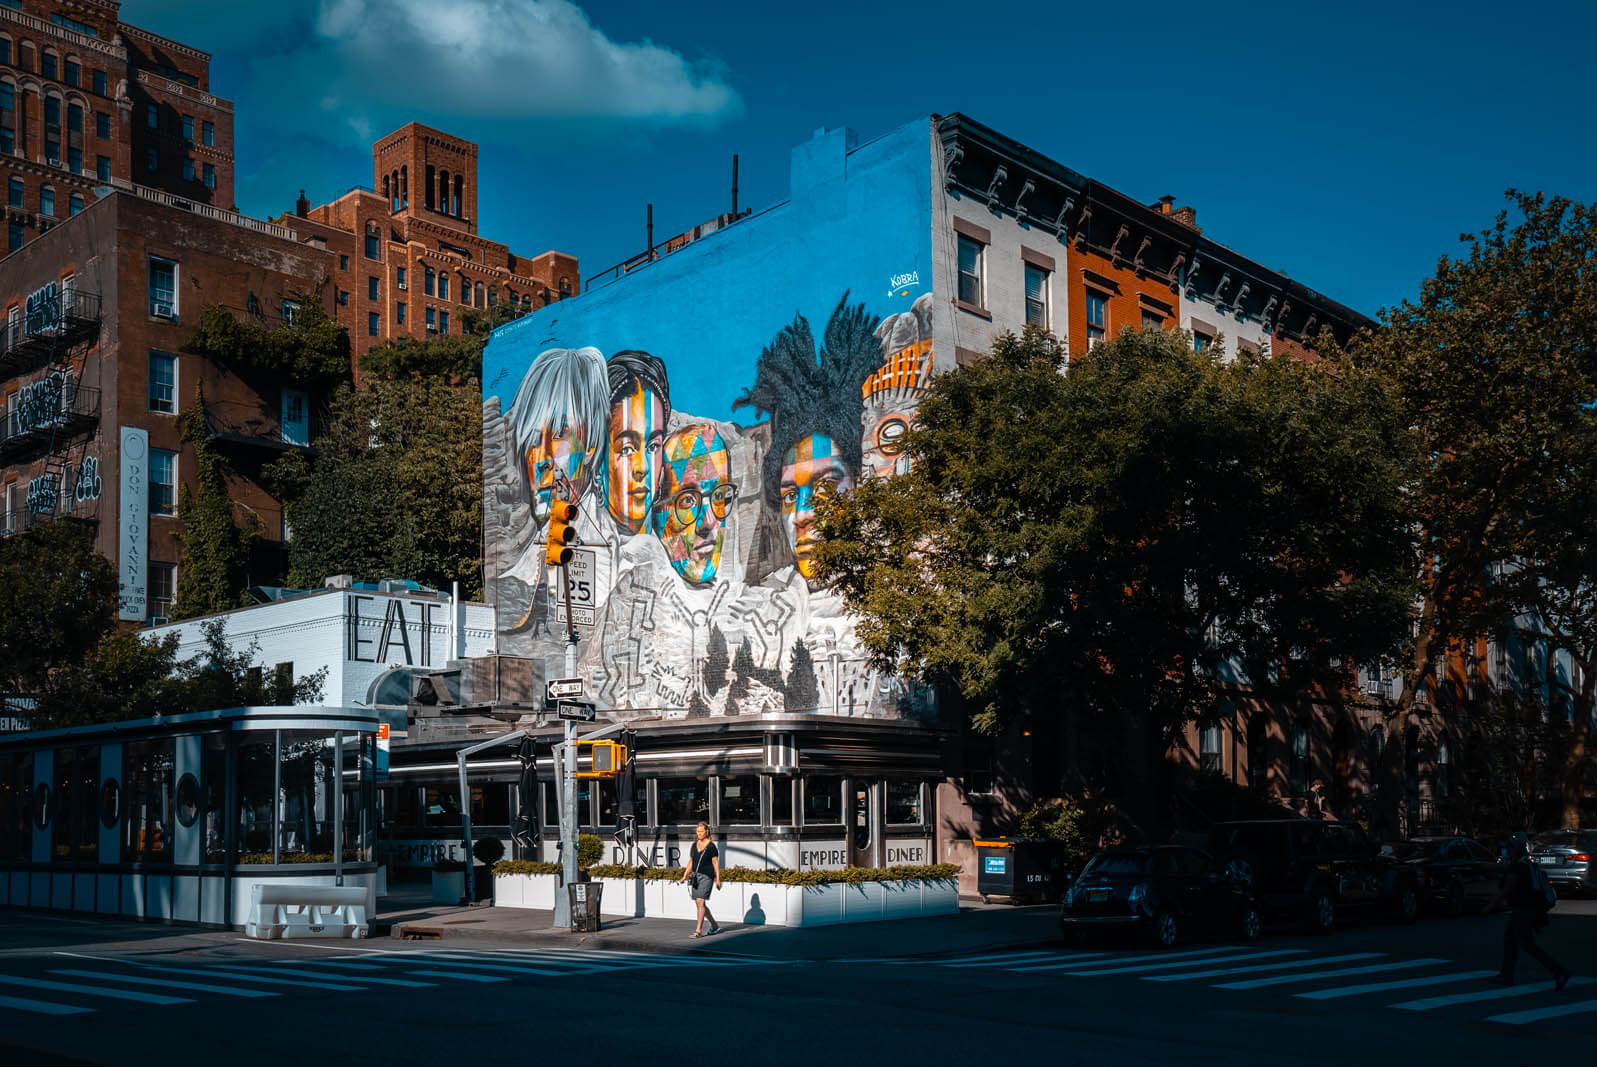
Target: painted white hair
[562,383]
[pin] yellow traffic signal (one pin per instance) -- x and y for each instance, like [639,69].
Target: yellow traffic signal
[608,758]
[562,513]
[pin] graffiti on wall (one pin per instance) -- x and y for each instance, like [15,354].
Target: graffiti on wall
[697,534]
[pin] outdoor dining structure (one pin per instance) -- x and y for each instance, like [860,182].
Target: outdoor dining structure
[178,818]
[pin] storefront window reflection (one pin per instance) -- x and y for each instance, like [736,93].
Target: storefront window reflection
[782,801]
[684,801]
[904,802]
[149,808]
[608,809]
[823,801]
[213,774]
[257,770]
[740,801]
[305,806]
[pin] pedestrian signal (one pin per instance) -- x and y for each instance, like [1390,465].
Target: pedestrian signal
[606,758]
[561,515]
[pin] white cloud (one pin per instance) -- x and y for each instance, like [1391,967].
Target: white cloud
[500,60]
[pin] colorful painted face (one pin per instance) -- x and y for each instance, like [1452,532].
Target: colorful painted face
[812,466]
[696,495]
[637,430]
[892,395]
[559,456]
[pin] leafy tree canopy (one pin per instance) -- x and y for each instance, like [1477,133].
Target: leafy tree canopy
[453,357]
[57,601]
[214,568]
[395,489]
[312,351]
[1115,537]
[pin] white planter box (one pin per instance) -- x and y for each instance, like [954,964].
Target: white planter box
[525,891]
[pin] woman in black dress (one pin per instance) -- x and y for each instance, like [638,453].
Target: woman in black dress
[704,869]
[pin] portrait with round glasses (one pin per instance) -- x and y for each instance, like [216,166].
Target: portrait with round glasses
[695,498]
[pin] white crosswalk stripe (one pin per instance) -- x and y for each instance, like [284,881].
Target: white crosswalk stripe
[307,972]
[1494,993]
[42,1007]
[94,991]
[1401,983]
[1061,962]
[1519,1018]
[1166,965]
[1007,958]
[463,977]
[166,983]
[1314,976]
[1278,965]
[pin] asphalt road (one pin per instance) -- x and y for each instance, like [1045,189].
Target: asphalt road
[80,991]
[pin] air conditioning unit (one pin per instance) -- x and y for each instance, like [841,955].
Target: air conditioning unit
[159,620]
[160,311]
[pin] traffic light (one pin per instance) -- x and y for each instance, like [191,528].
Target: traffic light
[608,757]
[562,513]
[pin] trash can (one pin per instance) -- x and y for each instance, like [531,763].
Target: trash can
[584,899]
[1020,868]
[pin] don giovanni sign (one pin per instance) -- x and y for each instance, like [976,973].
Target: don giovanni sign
[133,531]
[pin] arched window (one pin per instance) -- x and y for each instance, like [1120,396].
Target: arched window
[1377,743]
[429,280]
[404,185]
[481,299]
[460,194]
[443,191]
[52,128]
[49,64]
[385,187]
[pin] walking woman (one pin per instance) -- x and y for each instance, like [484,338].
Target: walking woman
[704,868]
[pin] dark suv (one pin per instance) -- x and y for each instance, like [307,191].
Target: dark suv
[1312,871]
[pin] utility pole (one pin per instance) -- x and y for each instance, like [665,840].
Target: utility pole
[557,553]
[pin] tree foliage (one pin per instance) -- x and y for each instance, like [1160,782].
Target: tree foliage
[395,489]
[214,567]
[57,602]
[1495,364]
[1114,538]
[312,351]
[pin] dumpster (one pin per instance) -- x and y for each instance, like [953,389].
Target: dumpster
[1024,869]
[585,905]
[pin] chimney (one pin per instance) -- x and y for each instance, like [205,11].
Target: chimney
[1164,204]
[1188,217]
[302,207]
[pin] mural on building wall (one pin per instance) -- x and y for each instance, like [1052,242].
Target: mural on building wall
[693,585]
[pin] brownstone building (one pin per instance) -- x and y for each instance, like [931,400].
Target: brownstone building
[410,261]
[89,103]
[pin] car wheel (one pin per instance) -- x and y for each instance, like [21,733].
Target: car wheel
[1455,899]
[1166,931]
[1408,905]
[1252,923]
[1322,912]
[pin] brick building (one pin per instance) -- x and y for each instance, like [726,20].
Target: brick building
[410,260]
[88,103]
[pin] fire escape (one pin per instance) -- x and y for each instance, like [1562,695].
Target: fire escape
[52,417]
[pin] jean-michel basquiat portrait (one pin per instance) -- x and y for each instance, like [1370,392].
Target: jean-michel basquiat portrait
[696,410]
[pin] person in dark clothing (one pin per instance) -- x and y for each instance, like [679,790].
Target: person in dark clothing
[1526,915]
[704,869]
[1319,808]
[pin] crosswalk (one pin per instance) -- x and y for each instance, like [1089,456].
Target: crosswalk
[1303,975]
[78,984]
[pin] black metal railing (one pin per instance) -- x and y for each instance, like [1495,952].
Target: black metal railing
[48,328]
[53,409]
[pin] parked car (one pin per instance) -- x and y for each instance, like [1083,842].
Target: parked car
[1166,892]
[1312,871]
[1454,875]
[1566,858]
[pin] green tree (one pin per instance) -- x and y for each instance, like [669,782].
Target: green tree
[57,602]
[213,570]
[801,693]
[1103,545]
[313,350]
[1495,364]
[395,490]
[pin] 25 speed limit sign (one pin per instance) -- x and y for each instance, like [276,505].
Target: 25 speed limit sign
[583,592]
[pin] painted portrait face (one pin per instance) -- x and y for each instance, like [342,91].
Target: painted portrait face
[632,474]
[696,495]
[812,466]
[892,394]
[560,454]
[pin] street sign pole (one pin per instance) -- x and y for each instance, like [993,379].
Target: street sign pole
[568,780]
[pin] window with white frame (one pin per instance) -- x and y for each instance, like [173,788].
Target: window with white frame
[1152,320]
[290,312]
[163,383]
[162,592]
[1209,747]
[1037,296]
[296,418]
[163,482]
[970,271]
[1097,304]
[163,288]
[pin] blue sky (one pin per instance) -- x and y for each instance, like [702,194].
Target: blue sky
[1346,144]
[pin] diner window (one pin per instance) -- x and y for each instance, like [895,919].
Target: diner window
[609,807]
[256,784]
[163,482]
[782,801]
[441,806]
[823,801]
[306,770]
[683,801]
[971,253]
[490,802]
[740,801]
[147,830]
[213,805]
[1036,296]
[905,802]
[1097,317]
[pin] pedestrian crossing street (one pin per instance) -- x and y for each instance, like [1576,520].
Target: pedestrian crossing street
[1408,984]
[79,984]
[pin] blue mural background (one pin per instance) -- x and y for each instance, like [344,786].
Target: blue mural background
[704,608]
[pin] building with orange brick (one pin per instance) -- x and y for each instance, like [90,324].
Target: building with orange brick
[410,260]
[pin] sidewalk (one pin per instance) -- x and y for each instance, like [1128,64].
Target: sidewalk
[977,927]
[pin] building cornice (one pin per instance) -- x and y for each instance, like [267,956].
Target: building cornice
[178,89]
[61,33]
[164,42]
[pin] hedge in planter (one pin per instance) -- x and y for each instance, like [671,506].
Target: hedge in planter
[783,876]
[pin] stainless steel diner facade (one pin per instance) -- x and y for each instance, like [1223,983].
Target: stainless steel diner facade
[177,818]
[779,790]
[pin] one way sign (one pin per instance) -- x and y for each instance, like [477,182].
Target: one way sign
[559,688]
